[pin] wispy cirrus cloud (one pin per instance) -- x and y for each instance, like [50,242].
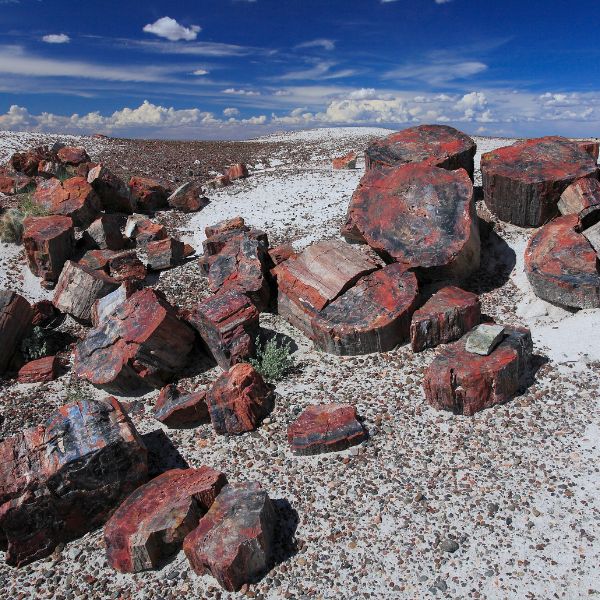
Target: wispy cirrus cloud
[322,70]
[324,43]
[437,70]
[170,29]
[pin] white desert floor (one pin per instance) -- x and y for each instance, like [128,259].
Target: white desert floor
[516,486]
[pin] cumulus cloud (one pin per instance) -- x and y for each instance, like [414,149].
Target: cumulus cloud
[56,38]
[231,112]
[170,29]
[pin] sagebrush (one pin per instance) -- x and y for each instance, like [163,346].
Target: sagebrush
[36,345]
[273,361]
[11,226]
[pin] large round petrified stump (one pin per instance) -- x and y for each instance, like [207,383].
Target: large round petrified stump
[437,145]
[561,265]
[372,316]
[420,216]
[522,183]
[465,383]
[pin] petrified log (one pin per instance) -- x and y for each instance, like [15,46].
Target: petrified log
[437,145]
[580,195]
[312,279]
[238,400]
[114,193]
[105,306]
[153,521]
[73,198]
[444,318]
[126,266]
[73,155]
[237,171]
[466,383]
[50,168]
[164,254]
[372,316]
[484,338]
[348,161]
[105,233]
[522,183]
[281,253]
[98,259]
[215,243]
[142,344]
[562,266]
[234,540]
[15,320]
[226,225]
[178,408]
[60,480]
[420,216]
[220,181]
[14,183]
[592,148]
[27,162]
[228,323]
[325,428]
[44,313]
[148,195]
[39,371]
[188,198]
[78,288]
[49,243]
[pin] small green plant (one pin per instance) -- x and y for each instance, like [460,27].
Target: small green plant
[11,226]
[36,344]
[30,208]
[75,393]
[273,361]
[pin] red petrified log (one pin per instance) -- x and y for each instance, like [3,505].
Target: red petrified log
[437,145]
[592,148]
[562,266]
[164,254]
[27,162]
[228,323]
[522,183]
[15,319]
[148,195]
[105,233]
[44,313]
[153,521]
[177,408]
[73,155]
[580,195]
[281,253]
[39,371]
[465,383]
[49,243]
[237,171]
[238,400]
[420,216]
[142,343]
[347,161]
[188,198]
[310,280]
[372,316]
[234,540]
[60,480]
[445,317]
[13,183]
[226,225]
[126,266]
[325,428]
[113,191]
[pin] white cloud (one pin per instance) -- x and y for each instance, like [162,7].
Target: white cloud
[236,92]
[320,71]
[324,43]
[17,116]
[437,71]
[56,38]
[200,72]
[231,112]
[170,29]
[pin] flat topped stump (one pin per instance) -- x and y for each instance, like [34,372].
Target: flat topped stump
[420,216]
[437,145]
[372,316]
[523,183]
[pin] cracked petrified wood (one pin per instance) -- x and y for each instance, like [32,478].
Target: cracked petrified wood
[60,480]
[420,216]
[177,408]
[142,344]
[114,193]
[580,195]
[188,198]
[465,383]
[310,280]
[325,428]
[372,316]
[16,315]
[151,524]
[73,155]
[445,317]
[49,243]
[105,233]
[562,266]
[234,540]
[437,145]
[228,323]
[148,195]
[238,400]
[522,183]
[164,254]
[39,371]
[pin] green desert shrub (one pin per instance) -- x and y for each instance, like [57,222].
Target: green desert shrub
[11,226]
[30,208]
[273,361]
[36,345]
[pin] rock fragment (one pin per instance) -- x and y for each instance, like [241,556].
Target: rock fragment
[484,338]
[39,371]
[348,161]
[177,408]
[237,171]
[105,233]
[164,254]
[580,195]
[15,320]
[148,195]
[72,155]
[188,198]
[113,192]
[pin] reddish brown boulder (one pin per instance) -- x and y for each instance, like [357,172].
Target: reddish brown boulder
[228,324]
[164,254]
[281,253]
[44,313]
[142,344]
[49,169]
[188,198]
[310,280]
[105,233]
[436,145]
[420,216]
[78,288]
[238,400]
[73,155]
[522,183]
[126,266]
[226,225]
[592,148]
[15,320]
[445,317]
[14,183]
[105,306]
[580,195]
[153,521]
[234,540]
[214,244]
[562,266]
[237,171]
[348,161]
[218,182]
[177,408]
[27,162]
[325,428]
[60,480]
[372,316]
[98,259]
[465,383]
[145,231]
[49,243]
[148,195]
[39,371]
[113,192]
[73,198]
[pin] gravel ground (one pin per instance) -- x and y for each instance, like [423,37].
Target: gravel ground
[501,505]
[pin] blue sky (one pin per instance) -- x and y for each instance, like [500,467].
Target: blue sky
[239,68]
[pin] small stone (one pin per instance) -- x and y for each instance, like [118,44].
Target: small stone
[484,338]
[448,545]
[177,408]
[348,161]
